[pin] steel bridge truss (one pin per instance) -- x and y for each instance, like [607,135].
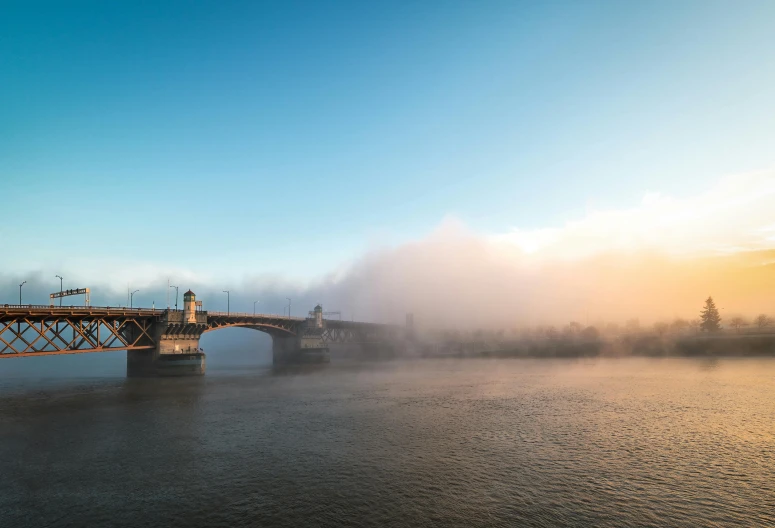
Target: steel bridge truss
[281,326]
[344,332]
[334,331]
[33,330]
[47,334]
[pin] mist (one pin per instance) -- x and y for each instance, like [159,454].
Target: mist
[456,279]
[655,261]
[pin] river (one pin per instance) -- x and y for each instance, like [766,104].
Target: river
[630,442]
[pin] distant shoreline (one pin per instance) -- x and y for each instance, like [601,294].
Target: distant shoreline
[743,345]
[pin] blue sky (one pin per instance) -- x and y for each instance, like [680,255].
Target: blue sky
[234,138]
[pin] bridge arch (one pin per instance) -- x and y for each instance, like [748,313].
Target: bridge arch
[272,330]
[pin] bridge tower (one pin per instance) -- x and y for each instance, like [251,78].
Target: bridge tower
[177,351]
[189,307]
[306,346]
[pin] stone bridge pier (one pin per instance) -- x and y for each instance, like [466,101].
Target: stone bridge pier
[177,351]
[298,350]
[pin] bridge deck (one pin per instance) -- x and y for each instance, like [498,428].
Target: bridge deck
[39,330]
[32,330]
[40,308]
[252,315]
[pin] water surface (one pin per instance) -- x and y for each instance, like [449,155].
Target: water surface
[635,442]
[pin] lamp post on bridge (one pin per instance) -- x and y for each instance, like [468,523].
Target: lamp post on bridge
[131,298]
[228,295]
[176,297]
[19,325]
[60,289]
[254,307]
[289,308]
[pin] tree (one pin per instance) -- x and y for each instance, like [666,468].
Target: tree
[679,325]
[737,323]
[762,321]
[612,329]
[632,326]
[694,324]
[661,328]
[711,320]
[590,333]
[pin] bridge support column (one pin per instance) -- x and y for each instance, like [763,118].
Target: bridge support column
[177,353]
[140,363]
[295,350]
[151,364]
[285,350]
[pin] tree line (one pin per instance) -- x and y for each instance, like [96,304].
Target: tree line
[710,319]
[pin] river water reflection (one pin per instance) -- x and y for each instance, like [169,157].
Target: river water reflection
[409,443]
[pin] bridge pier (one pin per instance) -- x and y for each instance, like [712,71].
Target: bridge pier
[140,363]
[177,351]
[298,350]
[171,357]
[151,364]
[284,350]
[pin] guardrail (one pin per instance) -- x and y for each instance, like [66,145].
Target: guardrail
[31,306]
[80,307]
[251,314]
[65,308]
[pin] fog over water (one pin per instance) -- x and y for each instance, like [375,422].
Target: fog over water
[226,349]
[655,261]
[471,442]
[563,210]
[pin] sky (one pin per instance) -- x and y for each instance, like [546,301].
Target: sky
[316,149]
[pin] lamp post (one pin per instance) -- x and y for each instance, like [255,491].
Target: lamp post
[131,298]
[289,308]
[228,295]
[60,289]
[20,292]
[176,296]
[254,307]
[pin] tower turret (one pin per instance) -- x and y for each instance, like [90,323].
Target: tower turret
[189,307]
[318,315]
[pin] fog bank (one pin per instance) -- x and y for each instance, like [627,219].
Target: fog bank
[655,261]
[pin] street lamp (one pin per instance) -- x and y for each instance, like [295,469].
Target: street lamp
[20,292]
[228,310]
[289,308]
[131,297]
[254,307]
[60,289]
[176,296]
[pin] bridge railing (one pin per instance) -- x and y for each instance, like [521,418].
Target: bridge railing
[251,314]
[29,306]
[48,307]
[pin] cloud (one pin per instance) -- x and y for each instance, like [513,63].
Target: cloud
[656,260]
[735,214]
[659,259]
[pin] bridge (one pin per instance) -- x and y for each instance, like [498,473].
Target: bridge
[166,342]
